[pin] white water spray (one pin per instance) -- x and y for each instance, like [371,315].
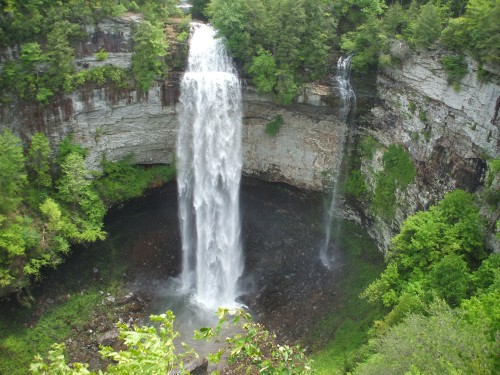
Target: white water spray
[209,171]
[347,103]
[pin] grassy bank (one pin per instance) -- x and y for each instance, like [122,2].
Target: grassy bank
[61,308]
[340,335]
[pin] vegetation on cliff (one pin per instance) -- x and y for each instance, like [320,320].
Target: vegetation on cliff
[282,44]
[44,36]
[49,202]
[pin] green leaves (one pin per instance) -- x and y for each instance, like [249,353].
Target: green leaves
[282,43]
[398,173]
[440,343]
[254,348]
[150,43]
[13,178]
[434,256]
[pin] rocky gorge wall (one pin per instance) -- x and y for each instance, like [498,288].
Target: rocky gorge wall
[113,124]
[448,134]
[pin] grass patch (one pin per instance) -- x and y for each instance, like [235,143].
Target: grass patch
[398,173]
[273,127]
[355,185]
[456,68]
[367,147]
[22,335]
[19,345]
[348,325]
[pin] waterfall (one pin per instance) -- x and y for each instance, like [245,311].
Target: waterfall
[209,171]
[347,103]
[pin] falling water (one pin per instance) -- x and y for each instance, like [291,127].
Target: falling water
[347,103]
[209,171]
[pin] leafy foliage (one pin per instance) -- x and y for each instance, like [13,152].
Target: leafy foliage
[48,31]
[150,44]
[122,180]
[355,185]
[427,26]
[434,254]
[398,173]
[282,43]
[383,36]
[441,343]
[273,127]
[37,229]
[13,178]
[442,290]
[255,349]
[151,350]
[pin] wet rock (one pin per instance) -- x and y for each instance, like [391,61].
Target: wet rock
[108,338]
[109,300]
[196,366]
[126,299]
[136,306]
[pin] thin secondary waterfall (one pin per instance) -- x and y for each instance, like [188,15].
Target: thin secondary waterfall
[347,103]
[209,172]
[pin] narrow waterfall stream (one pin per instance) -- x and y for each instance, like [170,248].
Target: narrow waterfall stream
[209,172]
[347,106]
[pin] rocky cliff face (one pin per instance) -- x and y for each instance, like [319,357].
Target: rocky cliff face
[308,146]
[448,134]
[113,124]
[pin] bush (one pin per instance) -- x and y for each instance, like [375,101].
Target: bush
[355,185]
[398,173]
[427,27]
[121,181]
[273,127]
[455,67]
[442,343]
[101,55]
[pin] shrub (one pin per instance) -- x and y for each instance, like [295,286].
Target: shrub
[101,55]
[455,67]
[273,127]
[398,173]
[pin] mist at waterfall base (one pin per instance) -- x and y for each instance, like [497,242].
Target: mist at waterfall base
[347,107]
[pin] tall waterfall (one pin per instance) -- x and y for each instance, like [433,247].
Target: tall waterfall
[347,103]
[209,171]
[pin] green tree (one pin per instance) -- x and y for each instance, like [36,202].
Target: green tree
[417,260]
[150,43]
[264,71]
[75,188]
[427,26]
[367,43]
[60,57]
[282,43]
[450,277]
[39,162]
[483,29]
[13,177]
[441,343]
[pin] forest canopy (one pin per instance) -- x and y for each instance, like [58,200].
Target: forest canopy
[282,44]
